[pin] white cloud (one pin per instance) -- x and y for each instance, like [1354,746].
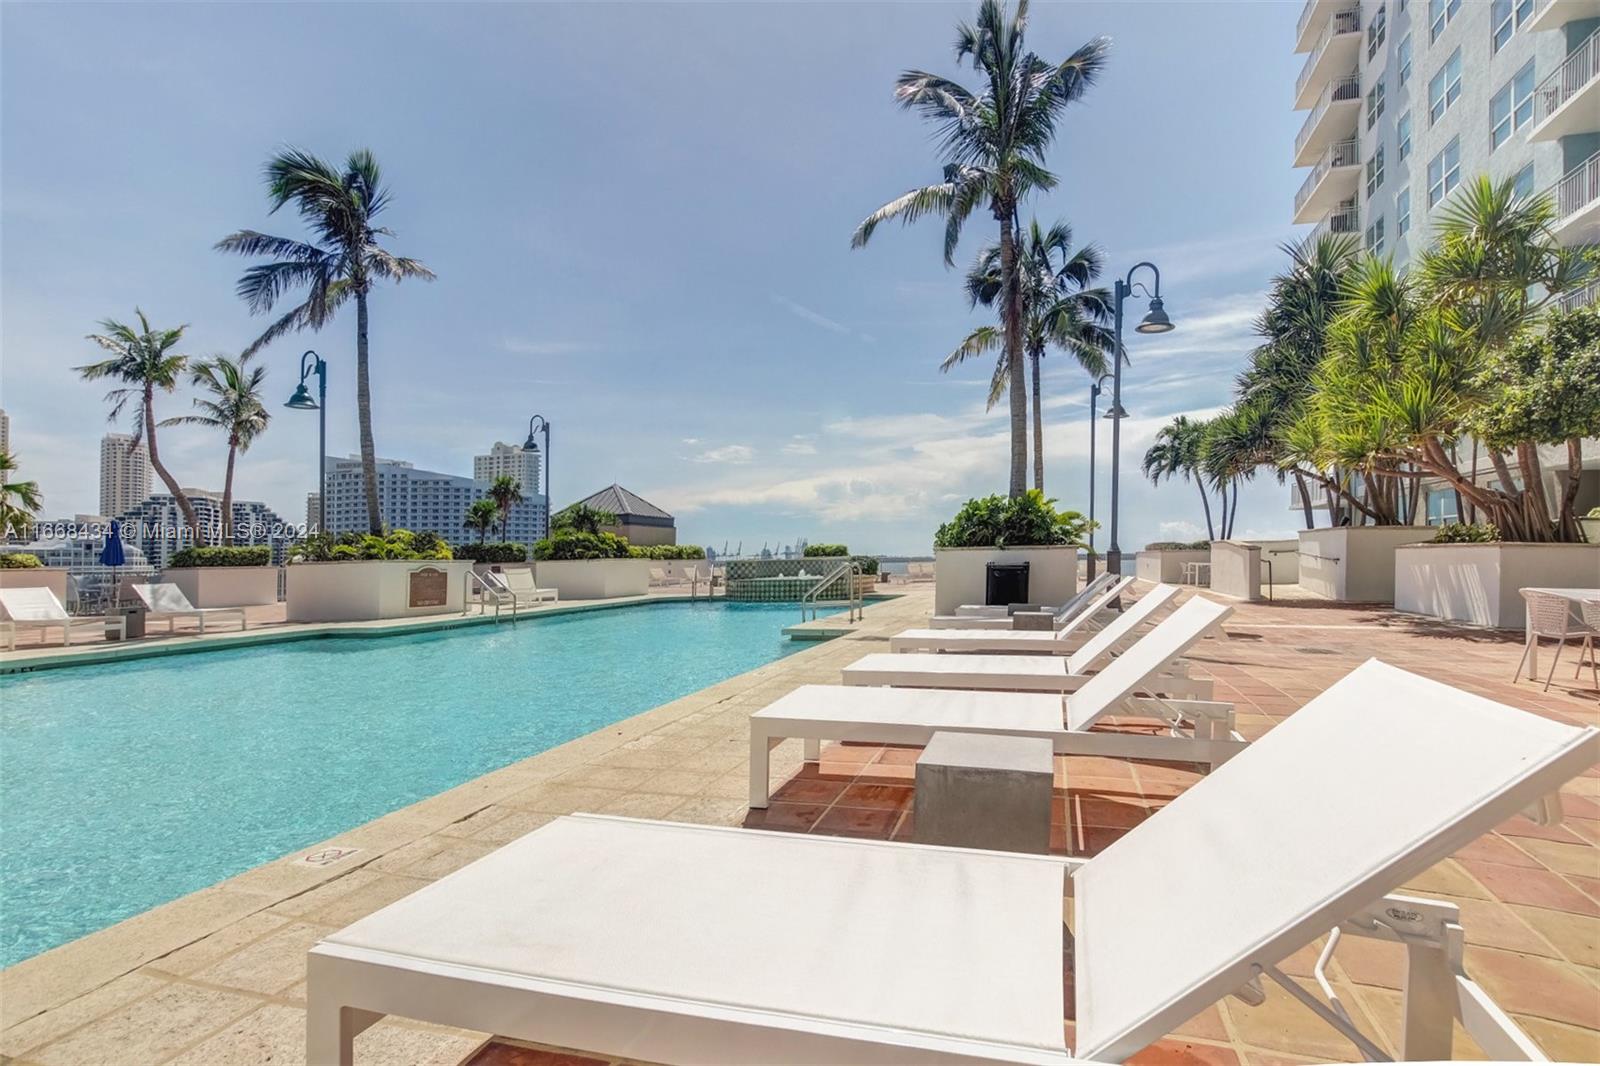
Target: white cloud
[1181,530]
[728,453]
[801,444]
[814,317]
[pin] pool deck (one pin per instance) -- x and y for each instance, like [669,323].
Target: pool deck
[217,977]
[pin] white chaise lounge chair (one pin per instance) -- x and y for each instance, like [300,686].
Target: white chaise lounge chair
[1158,653]
[774,948]
[167,601]
[973,616]
[1057,640]
[519,580]
[39,609]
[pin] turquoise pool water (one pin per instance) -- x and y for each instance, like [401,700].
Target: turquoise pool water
[126,785]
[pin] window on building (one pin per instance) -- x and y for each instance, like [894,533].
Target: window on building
[1375,237]
[1444,172]
[1376,30]
[1522,184]
[1505,17]
[1511,107]
[1440,12]
[1374,103]
[1375,173]
[1445,87]
[1402,212]
[1442,507]
[1402,56]
[1402,133]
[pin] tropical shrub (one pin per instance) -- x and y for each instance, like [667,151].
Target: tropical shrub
[396,544]
[1021,521]
[222,555]
[1177,546]
[1466,533]
[869,563]
[581,518]
[825,551]
[666,551]
[574,544]
[19,561]
[504,551]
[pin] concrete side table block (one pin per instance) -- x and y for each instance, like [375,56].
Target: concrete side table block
[975,790]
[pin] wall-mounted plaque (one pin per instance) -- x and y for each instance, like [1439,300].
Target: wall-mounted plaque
[429,587]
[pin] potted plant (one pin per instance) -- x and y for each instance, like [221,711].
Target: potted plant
[224,575]
[24,570]
[993,529]
[1469,573]
[584,564]
[363,576]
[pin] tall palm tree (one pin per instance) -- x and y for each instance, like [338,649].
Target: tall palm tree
[339,207]
[506,492]
[19,500]
[481,516]
[1176,453]
[233,406]
[993,142]
[143,360]
[1058,309]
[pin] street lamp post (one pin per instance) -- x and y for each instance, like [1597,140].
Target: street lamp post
[1154,321]
[538,424]
[1094,431]
[302,401]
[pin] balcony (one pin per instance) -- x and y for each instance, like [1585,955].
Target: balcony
[1336,50]
[1312,18]
[1571,301]
[1332,180]
[1568,101]
[1577,199]
[1334,118]
[1342,221]
[1554,14]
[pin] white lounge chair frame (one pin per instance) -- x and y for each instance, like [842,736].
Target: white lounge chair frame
[524,589]
[1057,640]
[166,601]
[733,954]
[976,616]
[38,608]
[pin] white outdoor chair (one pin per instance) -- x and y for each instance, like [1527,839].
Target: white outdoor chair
[658,576]
[519,579]
[1549,618]
[1591,620]
[1057,640]
[781,948]
[167,601]
[39,609]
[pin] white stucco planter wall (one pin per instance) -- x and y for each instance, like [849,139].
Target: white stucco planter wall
[358,591]
[1478,583]
[225,586]
[1236,569]
[1167,566]
[40,577]
[1354,564]
[1284,555]
[959,574]
[595,579]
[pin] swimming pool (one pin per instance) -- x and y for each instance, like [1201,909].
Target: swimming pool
[125,785]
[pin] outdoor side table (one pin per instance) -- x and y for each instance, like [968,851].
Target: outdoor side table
[975,790]
[132,617]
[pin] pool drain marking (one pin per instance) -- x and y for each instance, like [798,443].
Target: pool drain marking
[326,856]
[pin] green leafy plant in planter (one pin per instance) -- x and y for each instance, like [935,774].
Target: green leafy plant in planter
[1029,520]
[575,544]
[1178,546]
[825,551]
[19,561]
[1466,533]
[396,544]
[666,552]
[221,555]
[505,551]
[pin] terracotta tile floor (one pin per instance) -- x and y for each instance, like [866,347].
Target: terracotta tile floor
[1530,896]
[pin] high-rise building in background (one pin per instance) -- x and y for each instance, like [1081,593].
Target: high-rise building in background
[313,501]
[1408,99]
[509,460]
[5,432]
[418,500]
[124,473]
[156,525]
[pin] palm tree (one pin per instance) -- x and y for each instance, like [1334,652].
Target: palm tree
[481,516]
[1058,308]
[234,407]
[993,144]
[339,207]
[19,500]
[506,492]
[143,360]
[1176,453]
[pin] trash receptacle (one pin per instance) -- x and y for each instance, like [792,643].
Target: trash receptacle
[1005,584]
[133,620]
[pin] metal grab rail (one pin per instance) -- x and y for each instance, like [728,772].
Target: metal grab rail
[848,570]
[492,587]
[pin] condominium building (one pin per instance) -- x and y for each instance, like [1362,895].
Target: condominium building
[509,460]
[1407,99]
[124,473]
[157,527]
[409,498]
[5,432]
[313,517]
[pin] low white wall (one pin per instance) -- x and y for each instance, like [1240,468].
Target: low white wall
[356,591]
[595,579]
[960,574]
[225,586]
[1284,555]
[1479,583]
[1354,564]
[1167,566]
[1236,569]
[40,577]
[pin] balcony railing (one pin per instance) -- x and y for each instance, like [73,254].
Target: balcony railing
[1580,67]
[1305,17]
[1346,218]
[1340,22]
[1578,188]
[1344,154]
[1571,301]
[1346,88]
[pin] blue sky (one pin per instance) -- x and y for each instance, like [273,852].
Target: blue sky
[640,217]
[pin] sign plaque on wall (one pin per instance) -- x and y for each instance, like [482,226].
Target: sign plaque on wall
[429,587]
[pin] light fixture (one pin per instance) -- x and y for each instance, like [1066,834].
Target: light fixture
[1156,321]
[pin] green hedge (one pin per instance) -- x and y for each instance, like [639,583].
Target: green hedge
[996,521]
[825,551]
[222,555]
[869,563]
[19,561]
[1466,533]
[1177,546]
[572,544]
[504,551]
[666,551]
[397,544]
